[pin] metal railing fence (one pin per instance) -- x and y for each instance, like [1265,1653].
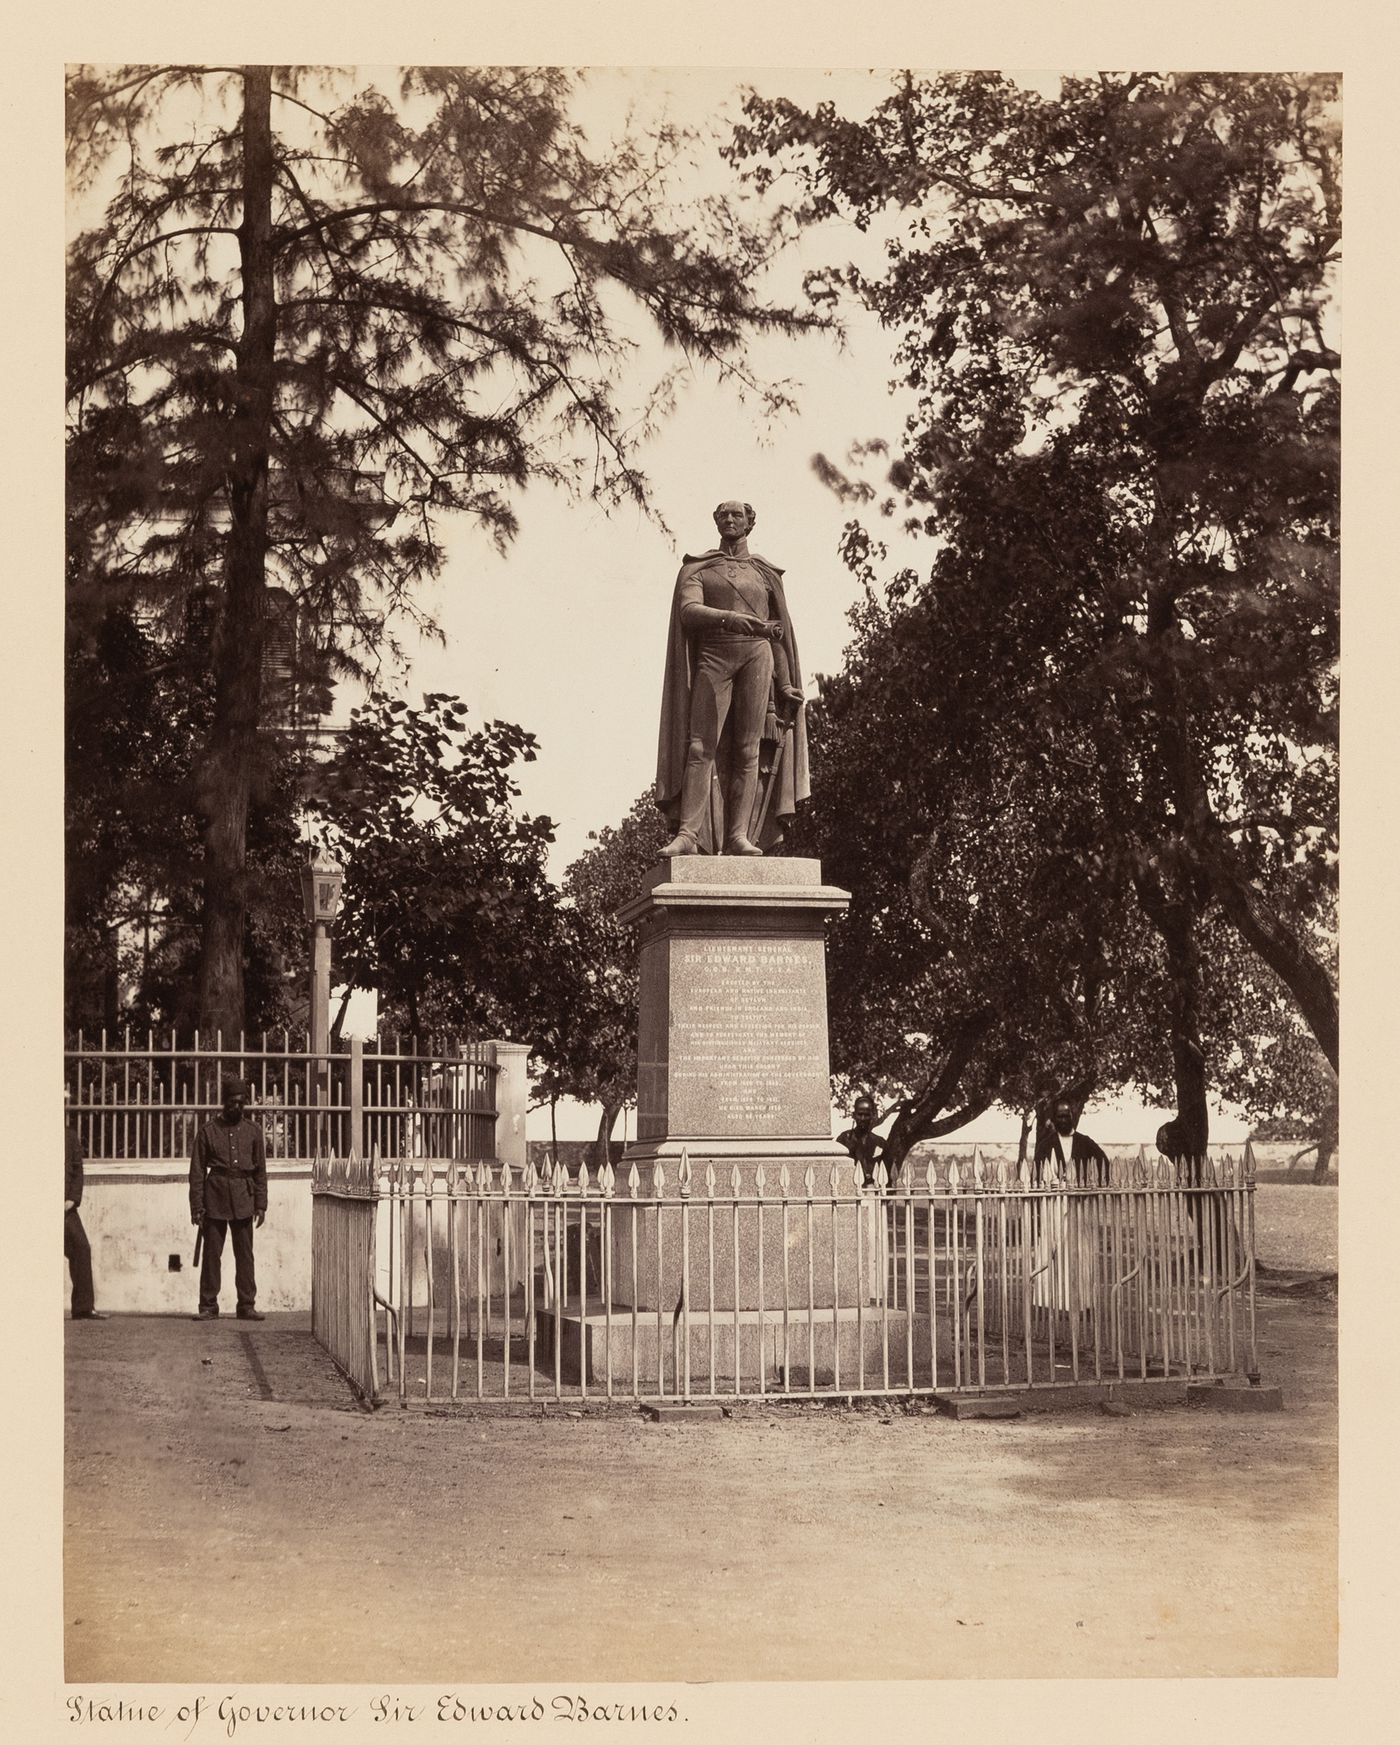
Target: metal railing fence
[492,1285]
[138,1101]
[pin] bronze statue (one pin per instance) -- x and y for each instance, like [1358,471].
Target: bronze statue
[732,761]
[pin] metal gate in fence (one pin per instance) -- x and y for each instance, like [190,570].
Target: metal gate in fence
[454,1279]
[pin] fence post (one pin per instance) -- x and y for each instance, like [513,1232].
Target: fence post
[512,1100]
[358,1141]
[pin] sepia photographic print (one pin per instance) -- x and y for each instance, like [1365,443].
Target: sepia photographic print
[699,762]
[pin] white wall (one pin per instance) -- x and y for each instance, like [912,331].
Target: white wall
[137,1219]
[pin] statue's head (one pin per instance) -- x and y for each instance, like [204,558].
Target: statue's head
[733,518]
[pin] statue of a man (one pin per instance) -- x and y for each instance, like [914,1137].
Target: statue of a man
[732,762]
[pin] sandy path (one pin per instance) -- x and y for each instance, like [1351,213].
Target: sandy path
[214,1533]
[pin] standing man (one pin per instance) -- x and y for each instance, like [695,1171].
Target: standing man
[76,1250]
[866,1148]
[732,681]
[1087,1162]
[862,1141]
[228,1192]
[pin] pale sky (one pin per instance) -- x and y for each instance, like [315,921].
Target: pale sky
[566,633]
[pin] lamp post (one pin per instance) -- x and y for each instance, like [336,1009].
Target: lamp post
[321,881]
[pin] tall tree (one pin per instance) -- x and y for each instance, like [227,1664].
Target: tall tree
[315,317]
[1115,317]
[137,711]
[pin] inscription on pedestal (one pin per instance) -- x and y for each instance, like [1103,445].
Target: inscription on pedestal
[747,1040]
[746,1047]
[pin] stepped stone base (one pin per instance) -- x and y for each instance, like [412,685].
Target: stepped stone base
[850,1352]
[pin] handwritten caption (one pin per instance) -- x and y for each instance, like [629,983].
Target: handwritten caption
[231,1716]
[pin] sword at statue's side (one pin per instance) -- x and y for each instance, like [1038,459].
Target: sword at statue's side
[775,774]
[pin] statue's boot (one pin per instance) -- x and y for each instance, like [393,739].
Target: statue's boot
[743,791]
[695,795]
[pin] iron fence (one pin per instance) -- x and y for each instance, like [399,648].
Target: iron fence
[138,1101]
[488,1283]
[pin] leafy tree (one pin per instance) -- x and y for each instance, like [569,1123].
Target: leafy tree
[316,316]
[446,909]
[990,954]
[590,1050]
[1114,311]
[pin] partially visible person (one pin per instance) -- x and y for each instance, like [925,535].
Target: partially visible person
[1171,1142]
[228,1193]
[76,1249]
[1083,1163]
[1207,1209]
[864,1144]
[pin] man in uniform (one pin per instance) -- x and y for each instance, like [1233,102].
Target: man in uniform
[732,680]
[76,1249]
[228,1192]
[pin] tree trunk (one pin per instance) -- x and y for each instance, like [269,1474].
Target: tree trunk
[226,773]
[919,1117]
[606,1122]
[1326,1141]
[1201,840]
[1175,920]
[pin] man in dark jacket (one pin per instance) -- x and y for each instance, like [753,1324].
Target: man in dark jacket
[76,1250]
[1082,1163]
[228,1192]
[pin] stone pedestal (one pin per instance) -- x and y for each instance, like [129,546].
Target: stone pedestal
[732,1042]
[733,1072]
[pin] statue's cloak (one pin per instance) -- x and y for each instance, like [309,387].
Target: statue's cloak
[794,783]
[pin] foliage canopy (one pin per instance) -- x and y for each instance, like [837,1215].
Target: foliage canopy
[1104,720]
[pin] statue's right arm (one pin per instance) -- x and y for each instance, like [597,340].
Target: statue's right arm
[700,617]
[697,616]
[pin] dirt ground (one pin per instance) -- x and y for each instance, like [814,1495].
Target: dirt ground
[231,1514]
